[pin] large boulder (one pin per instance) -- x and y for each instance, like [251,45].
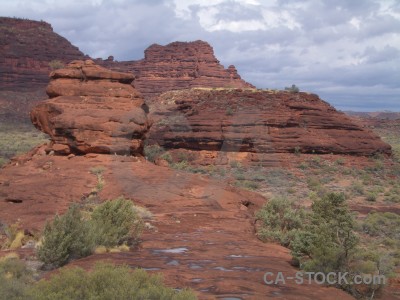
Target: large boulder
[92,110]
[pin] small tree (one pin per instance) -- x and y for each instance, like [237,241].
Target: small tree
[328,242]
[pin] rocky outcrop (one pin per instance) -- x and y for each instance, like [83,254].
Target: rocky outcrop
[258,122]
[179,65]
[26,49]
[92,110]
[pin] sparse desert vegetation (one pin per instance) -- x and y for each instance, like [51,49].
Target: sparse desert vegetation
[18,138]
[104,281]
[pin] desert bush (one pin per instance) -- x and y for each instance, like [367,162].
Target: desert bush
[357,188]
[56,64]
[385,224]
[152,152]
[14,279]
[115,222]
[106,282]
[247,184]
[66,237]
[280,219]
[371,197]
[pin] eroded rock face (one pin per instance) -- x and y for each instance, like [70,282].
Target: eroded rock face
[26,48]
[92,110]
[258,122]
[179,65]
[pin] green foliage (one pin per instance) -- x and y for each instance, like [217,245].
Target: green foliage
[70,236]
[328,241]
[280,220]
[115,222]
[357,188]
[106,282]
[371,197]
[18,138]
[56,64]
[247,184]
[152,152]
[66,237]
[14,279]
[385,224]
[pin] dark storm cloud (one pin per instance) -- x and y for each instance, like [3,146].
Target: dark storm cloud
[348,51]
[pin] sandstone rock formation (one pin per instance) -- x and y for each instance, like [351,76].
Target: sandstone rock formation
[92,110]
[179,65]
[26,48]
[259,122]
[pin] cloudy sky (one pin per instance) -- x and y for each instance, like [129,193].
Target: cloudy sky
[347,51]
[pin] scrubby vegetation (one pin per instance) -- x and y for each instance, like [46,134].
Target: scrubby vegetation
[104,281]
[18,138]
[56,64]
[65,238]
[15,278]
[70,236]
[326,239]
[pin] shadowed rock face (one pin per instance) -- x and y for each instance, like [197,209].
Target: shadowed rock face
[92,110]
[179,65]
[258,122]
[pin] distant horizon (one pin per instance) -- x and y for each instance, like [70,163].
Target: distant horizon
[348,53]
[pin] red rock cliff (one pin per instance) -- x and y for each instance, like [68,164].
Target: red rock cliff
[259,122]
[26,48]
[179,65]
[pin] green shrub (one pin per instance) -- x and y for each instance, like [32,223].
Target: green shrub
[328,241]
[280,219]
[66,237]
[152,152]
[56,64]
[371,197]
[357,188]
[385,224]
[247,184]
[115,222]
[106,282]
[14,279]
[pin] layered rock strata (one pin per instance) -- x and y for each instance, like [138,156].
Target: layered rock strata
[179,65]
[258,121]
[92,110]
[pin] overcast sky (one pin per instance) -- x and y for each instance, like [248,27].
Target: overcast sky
[347,51]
